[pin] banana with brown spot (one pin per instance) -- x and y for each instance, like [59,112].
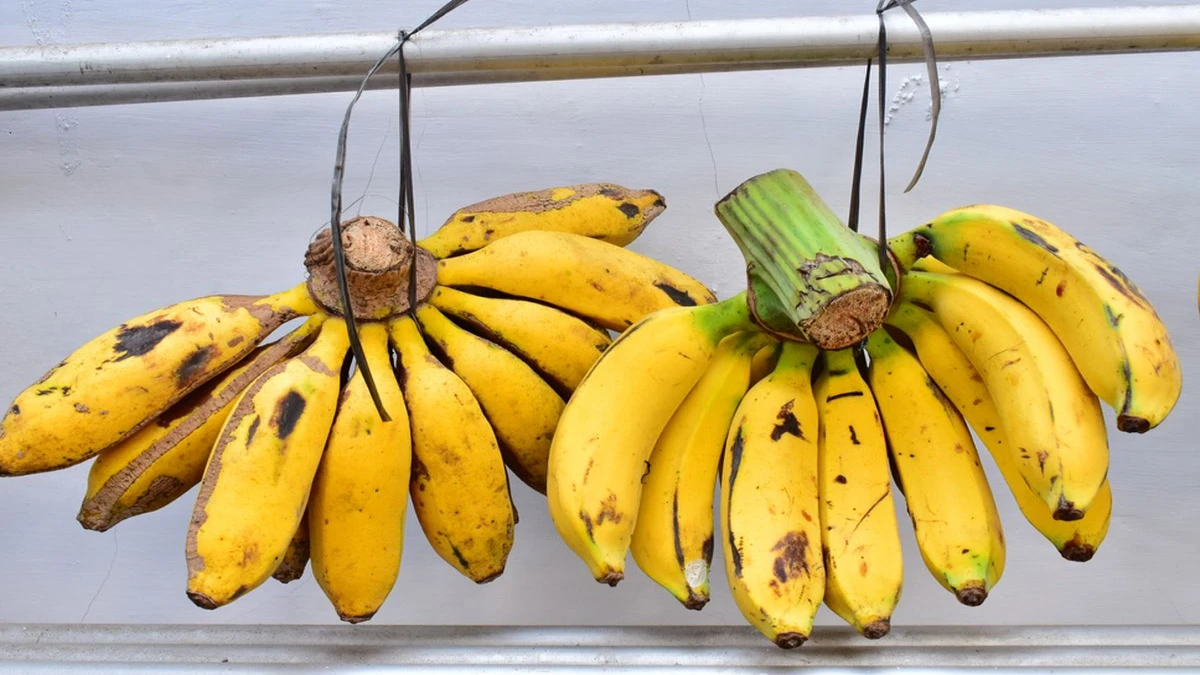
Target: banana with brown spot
[522,408]
[1104,321]
[598,210]
[559,346]
[360,494]
[864,564]
[673,537]
[163,460]
[119,381]
[953,515]
[770,510]
[609,427]
[612,286]
[950,368]
[257,482]
[459,485]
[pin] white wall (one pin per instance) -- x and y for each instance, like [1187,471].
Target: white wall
[110,212]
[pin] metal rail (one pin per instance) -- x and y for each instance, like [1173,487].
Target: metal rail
[48,76]
[635,649]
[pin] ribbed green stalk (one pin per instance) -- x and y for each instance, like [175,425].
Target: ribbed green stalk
[810,277]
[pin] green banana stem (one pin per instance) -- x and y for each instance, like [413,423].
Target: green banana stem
[810,277]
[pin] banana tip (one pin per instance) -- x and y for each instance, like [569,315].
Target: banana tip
[93,521]
[1127,423]
[202,601]
[488,579]
[972,596]
[696,601]
[612,578]
[1077,552]
[358,618]
[876,629]
[790,640]
[1067,511]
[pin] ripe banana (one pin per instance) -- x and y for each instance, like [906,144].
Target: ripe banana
[521,407]
[295,559]
[108,388]
[1046,409]
[559,346]
[764,362]
[607,284]
[459,485]
[958,530]
[163,460]
[599,210]
[256,485]
[673,537]
[609,427]
[360,496]
[1107,325]
[770,509]
[864,564]
[952,371]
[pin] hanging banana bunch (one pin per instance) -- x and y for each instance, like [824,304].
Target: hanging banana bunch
[829,379]
[515,297]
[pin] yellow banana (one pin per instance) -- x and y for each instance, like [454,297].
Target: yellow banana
[256,485]
[1046,409]
[957,528]
[764,362]
[295,559]
[673,537]
[521,407]
[108,388]
[864,564]
[459,485]
[952,371]
[609,427]
[360,493]
[770,510]
[163,460]
[559,346]
[607,284]
[599,210]
[1108,326]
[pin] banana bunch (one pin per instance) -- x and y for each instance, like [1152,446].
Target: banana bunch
[1001,323]
[475,337]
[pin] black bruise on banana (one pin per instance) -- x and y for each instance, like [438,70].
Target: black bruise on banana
[790,563]
[735,461]
[630,210]
[675,529]
[253,429]
[788,424]
[194,365]
[1035,238]
[677,296]
[287,413]
[141,340]
[845,394]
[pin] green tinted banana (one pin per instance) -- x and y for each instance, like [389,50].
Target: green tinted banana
[609,427]
[360,493]
[673,537]
[952,371]
[1046,409]
[604,283]
[459,485]
[108,388]
[521,407]
[864,565]
[770,508]
[599,210]
[1105,322]
[559,346]
[256,485]
[957,528]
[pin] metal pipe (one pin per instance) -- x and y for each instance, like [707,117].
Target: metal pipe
[97,74]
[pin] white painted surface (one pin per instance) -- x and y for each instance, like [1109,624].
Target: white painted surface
[110,212]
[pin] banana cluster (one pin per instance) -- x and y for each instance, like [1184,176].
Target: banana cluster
[514,300]
[1002,323]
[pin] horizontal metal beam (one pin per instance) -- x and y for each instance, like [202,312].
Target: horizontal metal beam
[100,74]
[123,648]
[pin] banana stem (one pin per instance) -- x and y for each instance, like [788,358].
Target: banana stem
[810,277]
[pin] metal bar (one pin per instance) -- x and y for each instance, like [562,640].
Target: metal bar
[48,75]
[57,648]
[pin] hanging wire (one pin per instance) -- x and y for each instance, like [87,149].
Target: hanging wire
[406,193]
